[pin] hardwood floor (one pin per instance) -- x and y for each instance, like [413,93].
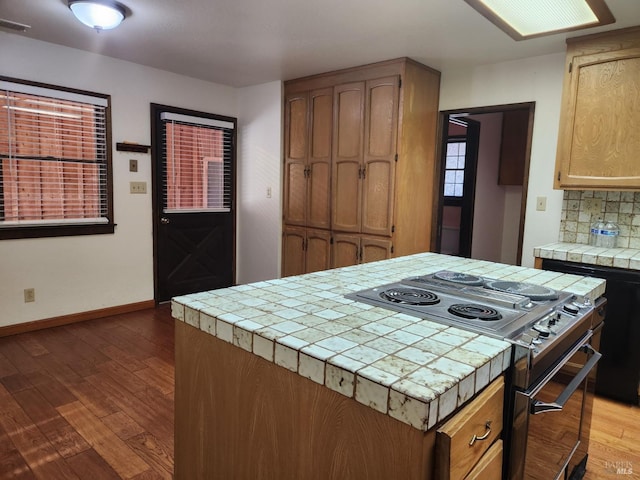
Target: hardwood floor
[94,400]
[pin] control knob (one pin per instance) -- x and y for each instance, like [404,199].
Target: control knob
[571,309]
[542,330]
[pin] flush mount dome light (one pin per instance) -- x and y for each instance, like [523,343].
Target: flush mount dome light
[98,14]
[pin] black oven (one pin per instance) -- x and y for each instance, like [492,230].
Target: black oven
[551,409]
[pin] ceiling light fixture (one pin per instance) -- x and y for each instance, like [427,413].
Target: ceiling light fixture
[98,14]
[523,19]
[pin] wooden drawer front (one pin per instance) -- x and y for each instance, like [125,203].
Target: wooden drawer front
[455,457]
[490,465]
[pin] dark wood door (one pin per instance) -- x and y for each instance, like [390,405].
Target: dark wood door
[194,192]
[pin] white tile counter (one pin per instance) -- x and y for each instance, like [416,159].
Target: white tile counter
[628,258]
[414,370]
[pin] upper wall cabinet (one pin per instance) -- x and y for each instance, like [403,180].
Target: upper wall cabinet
[599,137]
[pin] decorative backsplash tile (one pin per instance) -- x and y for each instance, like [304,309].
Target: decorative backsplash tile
[622,208]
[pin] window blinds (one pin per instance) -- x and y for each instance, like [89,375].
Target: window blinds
[53,156]
[197,156]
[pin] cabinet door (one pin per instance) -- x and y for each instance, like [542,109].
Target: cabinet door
[374,249]
[296,145]
[293,251]
[380,139]
[347,156]
[319,177]
[318,250]
[599,136]
[346,250]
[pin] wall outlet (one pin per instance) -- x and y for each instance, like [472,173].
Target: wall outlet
[137,187]
[541,204]
[592,206]
[133,165]
[29,295]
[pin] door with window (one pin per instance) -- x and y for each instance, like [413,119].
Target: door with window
[194,193]
[460,152]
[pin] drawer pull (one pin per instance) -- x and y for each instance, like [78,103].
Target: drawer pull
[483,437]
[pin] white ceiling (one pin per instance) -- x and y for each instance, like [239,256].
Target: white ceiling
[248,42]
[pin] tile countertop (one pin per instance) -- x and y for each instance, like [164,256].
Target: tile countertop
[628,258]
[414,370]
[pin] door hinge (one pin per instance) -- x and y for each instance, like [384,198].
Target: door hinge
[359,256]
[391,248]
[331,241]
[393,228]
[400,81]
[558,175]
[396,157]
[570,66]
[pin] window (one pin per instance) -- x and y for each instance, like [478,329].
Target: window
[454,169]
[55,161]
[197,155]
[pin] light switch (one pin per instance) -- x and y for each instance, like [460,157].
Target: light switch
[133,165]
[541,204]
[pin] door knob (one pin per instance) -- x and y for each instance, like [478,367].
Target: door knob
[164,221]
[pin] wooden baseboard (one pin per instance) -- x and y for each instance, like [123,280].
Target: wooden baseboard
[74,318]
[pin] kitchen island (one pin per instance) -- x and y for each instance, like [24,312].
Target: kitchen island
[289,379]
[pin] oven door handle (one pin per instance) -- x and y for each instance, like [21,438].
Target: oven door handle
[543,407]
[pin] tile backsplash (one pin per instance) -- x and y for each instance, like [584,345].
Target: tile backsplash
[622,208]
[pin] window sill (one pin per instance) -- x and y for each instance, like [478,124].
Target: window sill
[55,231]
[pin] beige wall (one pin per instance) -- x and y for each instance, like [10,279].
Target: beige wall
[77,274]
[536,79]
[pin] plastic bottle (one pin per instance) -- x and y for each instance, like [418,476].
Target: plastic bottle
[609,234]
[595,238]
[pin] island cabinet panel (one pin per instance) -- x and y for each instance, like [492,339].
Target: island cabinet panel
[380,122]
[463,442]
[599,138]
[241,417]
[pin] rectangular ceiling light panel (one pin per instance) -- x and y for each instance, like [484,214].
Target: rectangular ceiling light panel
[523,19]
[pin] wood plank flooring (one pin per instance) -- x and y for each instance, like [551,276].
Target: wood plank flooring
[94,400]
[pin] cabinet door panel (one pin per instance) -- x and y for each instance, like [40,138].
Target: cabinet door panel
[296,157]
[319,185]
[377,201]
[347,157]
[346,250]
[296,133]
[293,254]
[381,127]
[318,254]
[374,249]
[382,119]
[295,193]
[599,138]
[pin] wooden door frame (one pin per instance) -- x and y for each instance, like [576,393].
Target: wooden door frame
[441,153]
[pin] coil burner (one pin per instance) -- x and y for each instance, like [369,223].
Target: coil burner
[474,311]
[410,296]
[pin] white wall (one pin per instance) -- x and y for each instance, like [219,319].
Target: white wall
[536,79]
[259,217]
[83,273]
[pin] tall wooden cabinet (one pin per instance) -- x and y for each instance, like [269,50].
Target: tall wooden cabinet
[359,164]
[599,138]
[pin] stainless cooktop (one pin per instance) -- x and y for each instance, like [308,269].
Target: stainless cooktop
[467,301]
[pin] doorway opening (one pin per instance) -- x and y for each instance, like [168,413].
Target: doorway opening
[484,170]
